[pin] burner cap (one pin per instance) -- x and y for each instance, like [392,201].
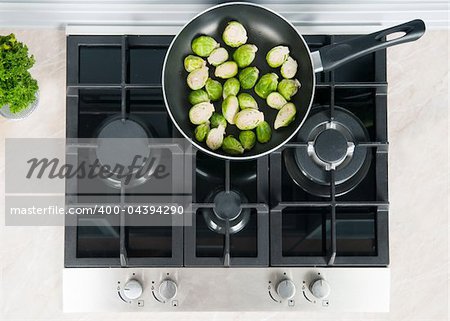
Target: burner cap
[330,145]
[122,128]
[111,152]
[227,205]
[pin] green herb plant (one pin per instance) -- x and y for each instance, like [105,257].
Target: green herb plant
[17,87]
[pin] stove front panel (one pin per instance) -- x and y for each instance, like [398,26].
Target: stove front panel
[235,289]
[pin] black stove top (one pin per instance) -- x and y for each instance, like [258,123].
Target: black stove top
[320,200]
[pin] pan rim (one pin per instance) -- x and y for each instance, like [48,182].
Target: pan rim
[210,152]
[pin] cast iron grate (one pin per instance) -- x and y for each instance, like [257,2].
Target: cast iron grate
[119,83]
[360,83]
[257,202]
[116,75]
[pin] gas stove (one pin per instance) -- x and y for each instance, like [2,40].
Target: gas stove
[305,228]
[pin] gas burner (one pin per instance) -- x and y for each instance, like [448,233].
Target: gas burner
[330,146]
[110,152]
[227,207]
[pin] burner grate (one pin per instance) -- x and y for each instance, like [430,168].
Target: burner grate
[298,229]
[255,206]
[104,79]
[318,219]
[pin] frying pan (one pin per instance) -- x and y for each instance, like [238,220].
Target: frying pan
[266,29]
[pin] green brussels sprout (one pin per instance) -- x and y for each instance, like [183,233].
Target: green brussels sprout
[266,84]
[214,139]
[203,46]
[197,78]
[230,107]
[218,120]
[200,113]
[234,34]
[248,119]
[289,68]
[192,62]
[214,89]
[285,116]
[198,96]
[231,87]
[218,56]
[247,101]
[288,88]
[244,55]
[226,70]
[247,139]
[275,100]
[277,56]
[263,132]
[248,77]
[232,146]
[201,131]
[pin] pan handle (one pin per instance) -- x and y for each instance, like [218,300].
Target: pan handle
[335,55]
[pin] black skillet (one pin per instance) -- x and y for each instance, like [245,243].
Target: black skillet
[265,29]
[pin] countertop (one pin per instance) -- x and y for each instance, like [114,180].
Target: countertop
[418,102]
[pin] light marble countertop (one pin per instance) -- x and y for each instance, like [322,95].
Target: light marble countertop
[418,101]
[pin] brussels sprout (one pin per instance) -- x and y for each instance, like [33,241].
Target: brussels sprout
[226,70]
[203,46]
[201,131]
[276,100]
[197,78]
[234,34]
[289,68]
[244,55]
[232,146]
[266,84]
[248,77]
[218,120]
[198,96]
[214,89]
[285,116]
[247,101]
[230,107]
[231,87]
[247,139]
[214,139]
[288,88]
[200,113]
[192,62]
[218,56]
[263,132]
[248,119]
[277,56]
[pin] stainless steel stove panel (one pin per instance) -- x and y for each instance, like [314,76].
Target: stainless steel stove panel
[213,289]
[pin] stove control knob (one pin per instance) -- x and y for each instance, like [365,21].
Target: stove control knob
[132,289]
[320,289]
[286,289]
[168,289]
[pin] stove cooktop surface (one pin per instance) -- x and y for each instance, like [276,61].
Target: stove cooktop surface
[320,200]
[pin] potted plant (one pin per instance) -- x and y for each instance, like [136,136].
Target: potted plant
[18,89]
